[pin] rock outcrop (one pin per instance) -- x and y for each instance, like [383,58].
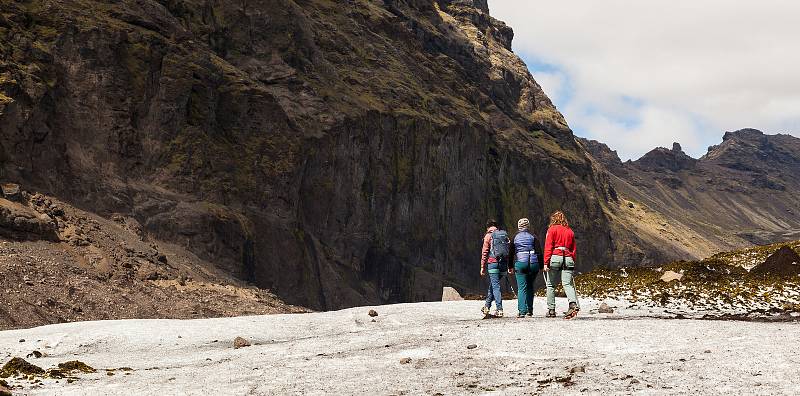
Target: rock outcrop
[784,262]
[337,153]
[20,222]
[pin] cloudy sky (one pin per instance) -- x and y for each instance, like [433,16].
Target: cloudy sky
[640,74]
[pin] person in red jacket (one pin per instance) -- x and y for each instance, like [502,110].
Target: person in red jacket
[559,263]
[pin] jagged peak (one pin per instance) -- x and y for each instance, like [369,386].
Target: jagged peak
[600,151]
[664,158]
[746,133]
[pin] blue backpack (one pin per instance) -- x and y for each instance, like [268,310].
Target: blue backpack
[500,245]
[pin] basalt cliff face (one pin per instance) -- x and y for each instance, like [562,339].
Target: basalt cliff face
[337,153]
[744,191]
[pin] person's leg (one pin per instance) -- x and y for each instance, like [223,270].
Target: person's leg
[494,286]
[498,296]
[568,281]
[489,295]
[522,286]
[550,279]
[530,278]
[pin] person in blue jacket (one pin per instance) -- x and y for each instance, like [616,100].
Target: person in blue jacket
[526,266]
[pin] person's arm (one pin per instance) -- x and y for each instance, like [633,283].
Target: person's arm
[512,255]
[537,247]
[487,241]
[548,248]
[573,249]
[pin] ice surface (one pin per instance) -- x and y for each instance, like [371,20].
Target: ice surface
[344,353]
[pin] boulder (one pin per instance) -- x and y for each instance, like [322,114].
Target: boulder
[450,294]
[670,276]
[11,191]
[372,313]
[20,222]
[604,308]
[784,262]
[577,369]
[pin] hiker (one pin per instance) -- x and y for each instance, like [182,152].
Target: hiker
[559,262]
[493,262]
[526,266]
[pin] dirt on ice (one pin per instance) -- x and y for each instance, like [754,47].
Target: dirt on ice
[417,349]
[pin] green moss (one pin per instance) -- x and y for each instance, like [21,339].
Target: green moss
[75,365]
[551,146]
[19,366]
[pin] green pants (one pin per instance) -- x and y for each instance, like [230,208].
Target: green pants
[566,275]
[526,274]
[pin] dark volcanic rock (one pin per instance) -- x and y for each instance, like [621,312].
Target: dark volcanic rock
[601,152]
[784,262]
[666,160]
[20,222]
[336,154]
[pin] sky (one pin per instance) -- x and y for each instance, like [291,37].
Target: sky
[641,74]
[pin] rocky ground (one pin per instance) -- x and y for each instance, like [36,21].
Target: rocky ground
[761,282]
[62,264]
[414,349]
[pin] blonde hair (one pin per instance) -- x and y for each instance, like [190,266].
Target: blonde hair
[558,218]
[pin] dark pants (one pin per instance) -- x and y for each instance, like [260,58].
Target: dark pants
[526,275]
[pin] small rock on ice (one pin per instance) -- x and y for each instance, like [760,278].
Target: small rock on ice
[240,342]
[670,276]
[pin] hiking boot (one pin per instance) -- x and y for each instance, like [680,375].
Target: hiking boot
[551,313]
[485,311]
[498,313]
[572,311]
[520,315]
[530,314]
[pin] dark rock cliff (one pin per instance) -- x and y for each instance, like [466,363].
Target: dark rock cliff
[338,153]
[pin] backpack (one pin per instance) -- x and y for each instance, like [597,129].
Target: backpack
[500,245]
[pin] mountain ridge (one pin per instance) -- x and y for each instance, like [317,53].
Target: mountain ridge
[742,191]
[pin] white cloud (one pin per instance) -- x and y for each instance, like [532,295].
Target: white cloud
[644,72]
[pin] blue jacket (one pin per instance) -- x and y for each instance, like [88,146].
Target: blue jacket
[525,247]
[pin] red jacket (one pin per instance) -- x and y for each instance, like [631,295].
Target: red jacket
[487,244]
[559,236]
